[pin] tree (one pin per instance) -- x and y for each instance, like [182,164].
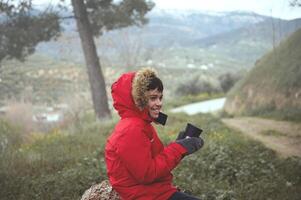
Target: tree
[96,79]
[93,18]
[295,3]
[197,85]
[21,29]
[228,80]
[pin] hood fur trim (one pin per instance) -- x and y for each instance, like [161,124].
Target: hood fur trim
[139,86]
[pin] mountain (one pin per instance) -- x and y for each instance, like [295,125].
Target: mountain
[250,42]
[183,26]
[173,42]
[216,42]
[272,87]
[166,29]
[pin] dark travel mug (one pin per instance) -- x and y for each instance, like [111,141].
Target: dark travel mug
[192,131]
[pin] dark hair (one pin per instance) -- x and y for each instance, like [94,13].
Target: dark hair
[155,83]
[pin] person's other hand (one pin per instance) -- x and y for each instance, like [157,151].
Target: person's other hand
[181,135]
[191,144]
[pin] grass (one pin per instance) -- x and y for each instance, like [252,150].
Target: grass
[58,165]
[272,133]
[282,65]
[278,95]
[233,167]
[65,162]
[270,112]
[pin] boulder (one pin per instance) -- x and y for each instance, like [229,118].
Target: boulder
[101,191]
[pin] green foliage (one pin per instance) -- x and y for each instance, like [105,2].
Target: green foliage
[295,3]
[232,167]
[10,136]
[228,80]
[107,15]
[198,85]
[21,30]
[58,165]
[63,163]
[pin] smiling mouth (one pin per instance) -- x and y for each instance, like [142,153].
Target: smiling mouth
[156,111]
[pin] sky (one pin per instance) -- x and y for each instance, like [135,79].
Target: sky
[273,8]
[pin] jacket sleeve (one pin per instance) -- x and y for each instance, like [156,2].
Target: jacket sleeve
[134,149]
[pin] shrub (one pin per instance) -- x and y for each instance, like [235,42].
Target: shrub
[228,80]
[230,166]
[61,165]
[198,85]
[55,165]
[20,114]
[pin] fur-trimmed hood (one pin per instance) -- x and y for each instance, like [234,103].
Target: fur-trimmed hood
[129,93]
[139,86]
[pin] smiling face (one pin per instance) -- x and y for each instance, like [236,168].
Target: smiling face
[154,103]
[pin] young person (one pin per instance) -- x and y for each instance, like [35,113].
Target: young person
[138,165]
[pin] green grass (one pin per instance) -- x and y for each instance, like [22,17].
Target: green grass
[59,165]
[65,162]
[233,167]
[270,112]
[272,133]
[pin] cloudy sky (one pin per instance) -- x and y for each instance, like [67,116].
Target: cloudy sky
[274,8]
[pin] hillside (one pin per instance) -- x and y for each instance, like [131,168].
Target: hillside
[168,31]
[250,42]
[230,41]
[272,87]
[168,43]
[40,80]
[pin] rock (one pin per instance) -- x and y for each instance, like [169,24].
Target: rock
[101,191]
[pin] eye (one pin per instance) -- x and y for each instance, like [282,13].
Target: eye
[153,98]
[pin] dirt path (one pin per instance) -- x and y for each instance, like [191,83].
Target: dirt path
[281,136]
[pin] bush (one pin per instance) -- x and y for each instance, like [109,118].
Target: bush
[198,85]
[61,165]
[228,80]
[55,165]
[230,166]
[20,114]
[10,136]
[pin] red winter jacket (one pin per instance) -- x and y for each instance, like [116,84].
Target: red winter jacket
[138,165]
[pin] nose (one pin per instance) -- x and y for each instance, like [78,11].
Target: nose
[159,102]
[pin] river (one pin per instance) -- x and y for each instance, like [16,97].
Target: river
[209,106]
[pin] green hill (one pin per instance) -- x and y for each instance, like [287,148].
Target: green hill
[273,87]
